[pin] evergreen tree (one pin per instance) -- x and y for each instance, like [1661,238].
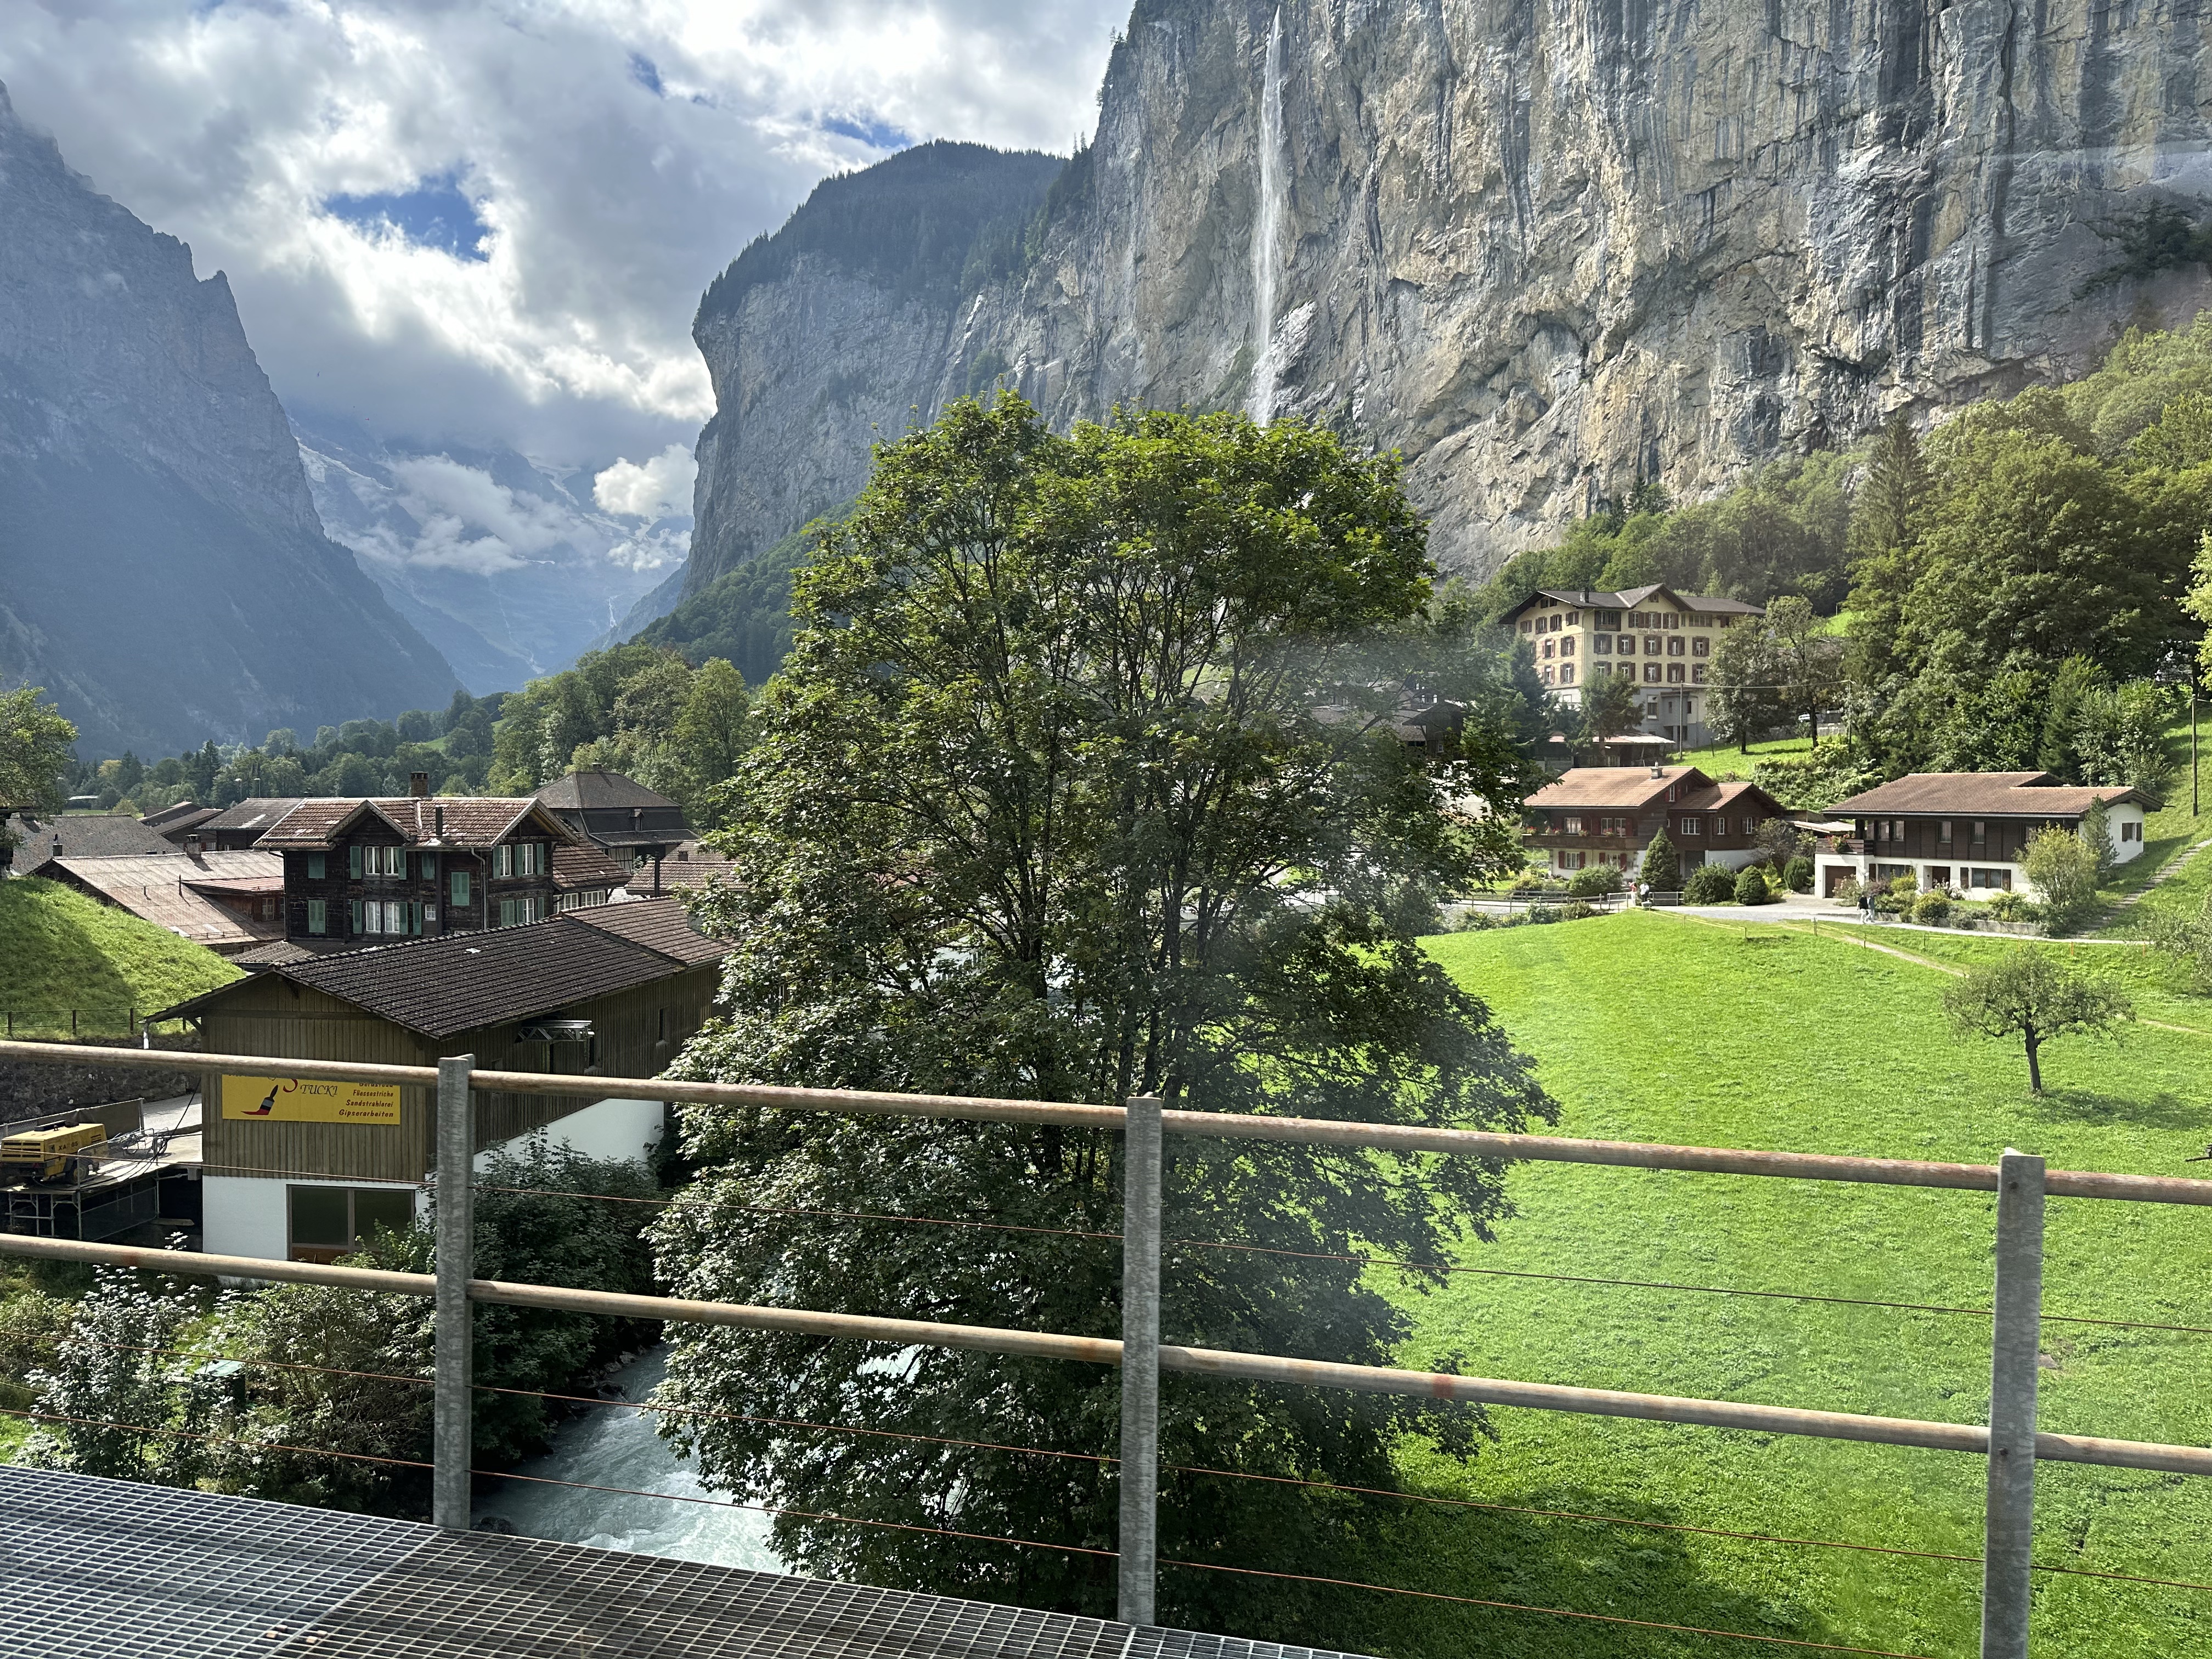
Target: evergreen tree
[1661,870]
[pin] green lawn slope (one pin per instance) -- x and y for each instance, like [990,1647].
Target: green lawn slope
[1663,1028]
[59,950]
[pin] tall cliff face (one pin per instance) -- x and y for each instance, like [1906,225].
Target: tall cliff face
[1545,250]
[162,571]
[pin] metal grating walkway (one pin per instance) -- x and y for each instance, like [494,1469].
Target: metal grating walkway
[93,1569]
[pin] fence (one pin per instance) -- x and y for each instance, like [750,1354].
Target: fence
[117,1019]
[2011,1443]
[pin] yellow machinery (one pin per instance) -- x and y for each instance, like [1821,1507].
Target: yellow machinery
[44,1154]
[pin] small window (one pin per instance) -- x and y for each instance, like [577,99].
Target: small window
[457,890]
[1627,671]
[1652,647]
[1603,644]
[1701,647]
[316,864]
[1567,674]
[1574,619]
[1674,673]
[1526,626]
[1693,826]
[1944,831]
[1625,646]
[329,1222]
[1574,825]
[1550,650]
[1545,675]
[1981,831]
[356,917]
[1698,673]
[353,860]
[429,866]
[1567,646]
[319,917]
[1675,647]
[1651,673]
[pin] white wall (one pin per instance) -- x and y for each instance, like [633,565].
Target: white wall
[245,1215]
[607,1128]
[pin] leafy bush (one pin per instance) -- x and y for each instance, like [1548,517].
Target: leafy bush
[1797,875]
[1932,910]
[1576,910]
[1709,883]
[1751,886]
[1594,881]
[1889,901]
[2009,906]
[1847,890]
[2063,869]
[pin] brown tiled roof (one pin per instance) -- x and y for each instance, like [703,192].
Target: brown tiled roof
[662,924]
[470,821]
[1990,795]
[277,951]
[1721,796]
[181,815]
[463,982]
[164,889]
[1630,787]
[687,874]
[84,835]
[1628,598]
[580,865]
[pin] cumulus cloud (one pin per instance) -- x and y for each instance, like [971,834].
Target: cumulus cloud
[660,487]
[492,222]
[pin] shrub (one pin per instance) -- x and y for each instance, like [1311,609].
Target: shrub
[1540,914]
[1797,875]
[1576,910]
[1709,883]
[1597,879]
[1662,866]
[2006,905]
[1891,902]
[2063,869]
[1932,910]
[1755,884]
[1847,890]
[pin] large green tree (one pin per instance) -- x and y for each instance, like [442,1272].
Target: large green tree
[34,752]
[1080,782]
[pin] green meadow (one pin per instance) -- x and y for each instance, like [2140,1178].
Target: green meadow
[1663,1028]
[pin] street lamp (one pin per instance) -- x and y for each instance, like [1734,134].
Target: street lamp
[2179,666]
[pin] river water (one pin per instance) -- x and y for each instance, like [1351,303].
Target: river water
[612,1446]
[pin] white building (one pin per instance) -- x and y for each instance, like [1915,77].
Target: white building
[1660,639]
[1966,831]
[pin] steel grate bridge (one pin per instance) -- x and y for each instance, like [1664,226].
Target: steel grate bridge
[94,1569]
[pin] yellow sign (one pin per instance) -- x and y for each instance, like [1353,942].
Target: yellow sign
[307,1100]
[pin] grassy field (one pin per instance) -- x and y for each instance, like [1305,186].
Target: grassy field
[1662,1027]
[59,950]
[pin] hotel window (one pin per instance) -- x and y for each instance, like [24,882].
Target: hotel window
[1674,673]
[1701,647]
[1550,650]
[1698,673]
[1603,644]
[1626,670]
[319,917]
[1675,647]
[1526,626]
[1545,675]
[1567,646]
[1609,619]
[1651,673]
[1566,674]
[1651,645]
[1574,617]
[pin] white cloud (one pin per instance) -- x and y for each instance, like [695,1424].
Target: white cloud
[660,487]
[615,155]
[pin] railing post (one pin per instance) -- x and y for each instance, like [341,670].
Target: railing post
[2010,1528]
[1140,1358]
[453,1397]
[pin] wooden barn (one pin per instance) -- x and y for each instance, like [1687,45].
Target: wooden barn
[298,1170]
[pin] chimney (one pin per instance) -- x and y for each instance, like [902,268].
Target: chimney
[1657,770]
[418,785]
[192,846]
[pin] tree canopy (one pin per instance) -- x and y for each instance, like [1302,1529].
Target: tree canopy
[1082,781]
[2028,994]
[34,752]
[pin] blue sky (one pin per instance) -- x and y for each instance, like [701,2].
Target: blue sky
[491,223]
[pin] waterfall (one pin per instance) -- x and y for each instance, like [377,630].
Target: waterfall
[1267,229]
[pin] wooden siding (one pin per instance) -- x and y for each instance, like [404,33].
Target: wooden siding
[274,1017]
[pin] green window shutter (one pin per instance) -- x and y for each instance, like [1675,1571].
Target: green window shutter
[353,862]
[318,916]
[457,886]
[356,918]
[315,866]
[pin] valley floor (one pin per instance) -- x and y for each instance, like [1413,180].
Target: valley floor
[1664,1028]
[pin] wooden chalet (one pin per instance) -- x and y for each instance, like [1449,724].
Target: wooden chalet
[615,990]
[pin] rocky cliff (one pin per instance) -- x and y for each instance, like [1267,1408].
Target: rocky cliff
[162,571]
[1544,250]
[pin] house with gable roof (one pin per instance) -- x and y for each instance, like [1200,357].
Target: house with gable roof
[1653,635]
[363,870]
[1967,831]
[1608,815]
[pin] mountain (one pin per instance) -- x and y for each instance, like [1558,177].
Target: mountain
[1546,253]
[162,571]
[509,567]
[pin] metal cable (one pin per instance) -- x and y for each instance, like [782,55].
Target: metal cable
[1555,1613]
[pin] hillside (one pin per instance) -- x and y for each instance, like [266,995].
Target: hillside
[60,950]
[162,570]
